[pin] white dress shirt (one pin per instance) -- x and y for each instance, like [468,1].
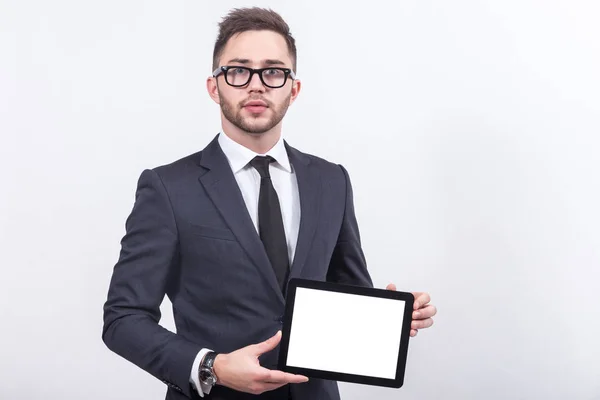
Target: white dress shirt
[248,179]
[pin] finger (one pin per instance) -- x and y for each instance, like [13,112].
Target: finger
[276,376]
[391,286]
[267,345]
[426,312]
[284,377]
[422,324]
[421,299]
[413,332]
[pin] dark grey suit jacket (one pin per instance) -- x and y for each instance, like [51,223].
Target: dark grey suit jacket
[190,236]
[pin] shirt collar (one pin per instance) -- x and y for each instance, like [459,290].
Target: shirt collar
[239,156]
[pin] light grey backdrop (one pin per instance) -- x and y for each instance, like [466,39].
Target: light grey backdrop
[470,130]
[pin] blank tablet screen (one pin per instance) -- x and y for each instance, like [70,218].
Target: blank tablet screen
[345,333]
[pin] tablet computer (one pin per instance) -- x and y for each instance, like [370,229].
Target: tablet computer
[346,333]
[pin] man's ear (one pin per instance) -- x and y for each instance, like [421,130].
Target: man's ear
[296,86]
[213,89]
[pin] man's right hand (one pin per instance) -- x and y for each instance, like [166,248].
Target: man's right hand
[240,370]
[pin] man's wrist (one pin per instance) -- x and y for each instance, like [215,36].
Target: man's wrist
[217,368]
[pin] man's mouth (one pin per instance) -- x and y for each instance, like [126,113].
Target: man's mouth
[256,106]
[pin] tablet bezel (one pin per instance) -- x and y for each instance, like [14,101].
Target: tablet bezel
[349,289]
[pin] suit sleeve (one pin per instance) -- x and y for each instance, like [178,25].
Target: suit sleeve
[143,274]
[348,264]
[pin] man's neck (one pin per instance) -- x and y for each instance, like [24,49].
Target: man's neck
[258,143]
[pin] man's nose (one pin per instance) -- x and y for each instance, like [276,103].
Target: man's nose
[255,84]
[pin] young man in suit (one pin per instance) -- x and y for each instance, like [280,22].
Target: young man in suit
[223,230]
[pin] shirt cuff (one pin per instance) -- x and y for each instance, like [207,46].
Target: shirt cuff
[194,376]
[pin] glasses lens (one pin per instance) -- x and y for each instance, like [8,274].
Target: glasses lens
[238,76]
[273,77]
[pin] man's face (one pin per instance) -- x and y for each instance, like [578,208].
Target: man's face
[254,108]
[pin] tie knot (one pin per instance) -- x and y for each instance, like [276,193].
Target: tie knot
[261,164]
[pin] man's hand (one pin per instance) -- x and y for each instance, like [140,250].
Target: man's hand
[423,311]
[240,370]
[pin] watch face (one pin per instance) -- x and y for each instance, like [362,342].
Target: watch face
[207,377]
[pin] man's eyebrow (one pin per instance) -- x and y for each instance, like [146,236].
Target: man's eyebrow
[247,61]
[273,62]
[239,61]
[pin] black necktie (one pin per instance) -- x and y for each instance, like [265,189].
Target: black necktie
[270,222]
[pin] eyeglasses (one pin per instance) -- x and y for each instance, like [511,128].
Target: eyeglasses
[240,76]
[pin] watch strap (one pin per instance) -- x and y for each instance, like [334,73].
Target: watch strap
[209,360]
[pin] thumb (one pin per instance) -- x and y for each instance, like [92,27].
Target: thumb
[268,344]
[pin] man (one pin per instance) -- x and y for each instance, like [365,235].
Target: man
[223,230]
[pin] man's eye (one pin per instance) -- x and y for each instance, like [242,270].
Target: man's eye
[272,71]
[238,70]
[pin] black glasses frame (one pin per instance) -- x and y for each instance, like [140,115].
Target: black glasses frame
[223,70]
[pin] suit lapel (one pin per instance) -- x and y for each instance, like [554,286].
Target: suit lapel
[309,187]
[220,185]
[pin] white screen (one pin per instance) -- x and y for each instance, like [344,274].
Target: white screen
[329,330]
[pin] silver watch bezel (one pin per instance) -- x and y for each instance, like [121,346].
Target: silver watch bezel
[212,378]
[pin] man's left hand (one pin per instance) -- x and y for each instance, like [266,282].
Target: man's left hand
[423,311]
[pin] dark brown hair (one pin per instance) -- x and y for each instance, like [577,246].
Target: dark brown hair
[252,19]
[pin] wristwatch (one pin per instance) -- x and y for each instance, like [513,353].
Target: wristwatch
[206,370]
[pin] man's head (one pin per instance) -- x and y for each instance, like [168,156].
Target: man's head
[254,38]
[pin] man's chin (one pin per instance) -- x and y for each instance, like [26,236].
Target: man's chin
[256,127]
[256,131]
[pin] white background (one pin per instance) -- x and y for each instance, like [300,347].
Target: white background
[476,176]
